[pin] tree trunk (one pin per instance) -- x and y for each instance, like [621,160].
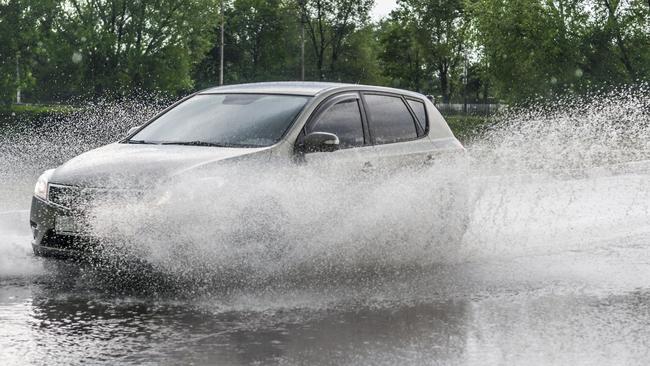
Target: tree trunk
[318,43]
[611,15]
[444,83]
[486,89]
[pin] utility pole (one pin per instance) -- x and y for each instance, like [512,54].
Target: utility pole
[465,76]
[301,4]
[18,78]
[221,47]
[302,40]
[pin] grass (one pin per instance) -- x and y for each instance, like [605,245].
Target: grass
[16,116]
[35,109]
[465,127]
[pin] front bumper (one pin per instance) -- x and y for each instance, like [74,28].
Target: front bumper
[47,242]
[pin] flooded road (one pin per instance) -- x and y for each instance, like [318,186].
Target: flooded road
[553,268]
[557,274]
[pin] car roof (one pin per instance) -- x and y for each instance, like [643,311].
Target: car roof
[308,88]
[284,87]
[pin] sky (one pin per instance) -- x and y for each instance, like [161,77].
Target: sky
[382,8]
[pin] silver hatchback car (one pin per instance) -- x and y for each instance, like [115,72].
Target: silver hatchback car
[357,126]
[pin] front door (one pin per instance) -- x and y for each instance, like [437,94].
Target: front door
[343,116]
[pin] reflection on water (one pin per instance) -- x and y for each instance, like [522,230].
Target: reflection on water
[523,311]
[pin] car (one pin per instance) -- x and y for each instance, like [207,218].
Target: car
[354,126]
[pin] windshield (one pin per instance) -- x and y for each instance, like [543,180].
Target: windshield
[237,120]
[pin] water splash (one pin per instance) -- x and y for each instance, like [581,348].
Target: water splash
[567,175]
[262,222]
[548,178]
[30,145]
[570,135]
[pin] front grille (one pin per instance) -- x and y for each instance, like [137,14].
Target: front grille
[82,199]
[73,242]
[65,196]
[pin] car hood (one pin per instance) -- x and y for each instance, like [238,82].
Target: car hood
[133,166]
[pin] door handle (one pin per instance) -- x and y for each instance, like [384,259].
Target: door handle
[430,159]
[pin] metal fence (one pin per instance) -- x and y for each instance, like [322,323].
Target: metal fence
[460,108]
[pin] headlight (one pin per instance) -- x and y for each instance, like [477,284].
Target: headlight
[40,190]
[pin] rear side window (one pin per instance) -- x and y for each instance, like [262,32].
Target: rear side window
[344,120]
[389,118]
[421,114]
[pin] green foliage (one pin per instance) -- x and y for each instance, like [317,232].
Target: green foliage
[467,127]
[402,58]
[441,31]
[36,109]
[22,23]
[330,25]
[118,46]
[429,40]
[530,45]
[474,50]
[357,60]
[540,47]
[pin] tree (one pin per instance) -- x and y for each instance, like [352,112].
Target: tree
[531,46]
[261,43]
[613,24]
[263,34]
[329,25]
[22,22]
[124,45]
[513,49]
[625,25]
[358,58]
[441,30]
[401,56]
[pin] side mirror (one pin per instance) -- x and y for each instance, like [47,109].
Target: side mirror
[320,142]
[132,130]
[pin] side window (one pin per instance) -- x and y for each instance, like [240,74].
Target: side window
[344,120]
[420,113]
[389,118]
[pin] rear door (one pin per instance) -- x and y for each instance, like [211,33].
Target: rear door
[342,115]
[398,129]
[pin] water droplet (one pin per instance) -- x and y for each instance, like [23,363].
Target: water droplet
[76,57]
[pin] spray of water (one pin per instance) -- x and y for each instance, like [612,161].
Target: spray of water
[572,134]
[253,222]
[30,145]
[567,175]
[572,175]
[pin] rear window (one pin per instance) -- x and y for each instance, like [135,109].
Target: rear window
[389,118]
[421,114]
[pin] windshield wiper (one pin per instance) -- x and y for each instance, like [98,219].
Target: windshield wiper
[141,142]
[197,143]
